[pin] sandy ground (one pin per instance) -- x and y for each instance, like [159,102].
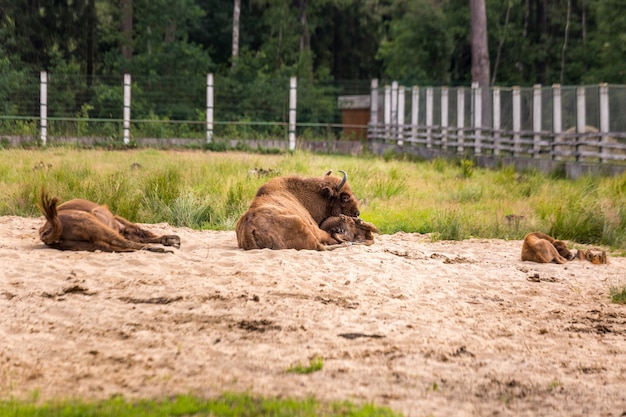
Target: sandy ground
[426,328]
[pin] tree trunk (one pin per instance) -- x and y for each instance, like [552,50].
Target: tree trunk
[305,39]
[480,56]
[236,13]
[127,28]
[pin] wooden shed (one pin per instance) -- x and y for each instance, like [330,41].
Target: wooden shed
[355,116]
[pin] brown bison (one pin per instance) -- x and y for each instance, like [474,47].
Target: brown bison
[343,228]
[539,247]
[287,211]
[596,257]
[84,225]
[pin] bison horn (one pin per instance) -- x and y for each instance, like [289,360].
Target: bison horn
[343,181]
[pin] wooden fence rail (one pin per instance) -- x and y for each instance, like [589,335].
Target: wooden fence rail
[475,130]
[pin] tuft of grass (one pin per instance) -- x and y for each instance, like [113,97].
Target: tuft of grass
[618,294]
[315,364]
[449,226]
[467,168]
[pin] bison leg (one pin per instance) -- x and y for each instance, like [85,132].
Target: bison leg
[82,245]
[133,232]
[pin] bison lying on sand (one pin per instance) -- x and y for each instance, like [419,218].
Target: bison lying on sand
[287,211]
[84,225]
[349,229]
[539,247]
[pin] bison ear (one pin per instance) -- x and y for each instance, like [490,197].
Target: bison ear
[328,192]
[328,173]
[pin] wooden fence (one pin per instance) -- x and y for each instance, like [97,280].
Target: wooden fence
[529,123]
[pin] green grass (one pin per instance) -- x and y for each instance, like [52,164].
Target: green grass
[315,364]
[618,294]
[235,405]
[202,189]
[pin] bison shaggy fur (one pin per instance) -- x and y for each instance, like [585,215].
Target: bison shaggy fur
[286,212]
[83,225]
[343,228]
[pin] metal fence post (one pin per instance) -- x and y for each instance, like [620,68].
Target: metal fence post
[209,108]
[126,109]
[536,120]
[43,106]
[557,119]
[604,119]
[293,82]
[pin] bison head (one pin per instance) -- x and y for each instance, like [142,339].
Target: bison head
[562,249]
[340,197]
[349,229]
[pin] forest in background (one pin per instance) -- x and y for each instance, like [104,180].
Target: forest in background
[339,45]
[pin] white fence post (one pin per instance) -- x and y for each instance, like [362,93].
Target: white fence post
[43,106]
[477,98]
[387,114]
[209,108]
[460,118]
[497,121]
[429,117]
[517,120]
[536,120]
[394,108]
[126,108]
[444,117]
[581,117]
[557,119]
[604,119]
[374,107]
[400,132]
[415,110]
[293,85]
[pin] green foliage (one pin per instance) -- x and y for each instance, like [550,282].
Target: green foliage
[418,47]
[315,364]
[467,168]
[227,405]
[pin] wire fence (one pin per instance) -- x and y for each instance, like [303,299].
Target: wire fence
[558,122]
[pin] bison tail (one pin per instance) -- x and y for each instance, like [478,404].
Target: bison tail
[52,230]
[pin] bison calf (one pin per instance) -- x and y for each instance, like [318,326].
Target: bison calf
[343,228]
[84,225]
